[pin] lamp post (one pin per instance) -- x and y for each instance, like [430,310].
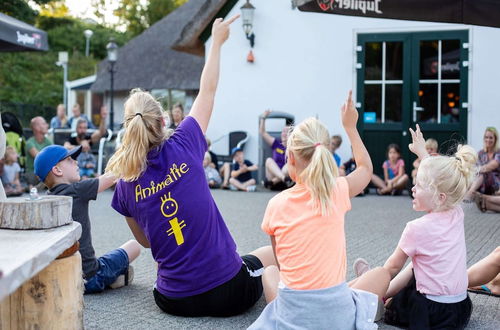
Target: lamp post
[63,61]
[112,49]
[247,11]
[88,34]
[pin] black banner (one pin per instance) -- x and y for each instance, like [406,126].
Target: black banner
[477,12]
[18,36]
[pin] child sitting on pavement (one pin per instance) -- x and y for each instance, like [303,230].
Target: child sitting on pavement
[395,178]
[432,147]
[58,169]
[86,161]
[308,289]
[335,143]
[431,292]
[211,174]
[10,175]
[241,172]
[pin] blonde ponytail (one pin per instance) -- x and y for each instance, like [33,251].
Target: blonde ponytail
[309,141]
[144,130]
[452,176]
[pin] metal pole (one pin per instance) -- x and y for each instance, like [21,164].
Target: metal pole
[65,94]
[87,47]
[111,112]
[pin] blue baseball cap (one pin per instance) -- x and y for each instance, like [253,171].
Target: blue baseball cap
[50,156]
[235,150]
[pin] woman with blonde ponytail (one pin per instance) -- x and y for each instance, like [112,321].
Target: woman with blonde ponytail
[431,292]
[307,290]
[163,194]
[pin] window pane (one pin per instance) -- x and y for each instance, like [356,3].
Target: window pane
[450,103]
[393,97]
[372,102]
[427,100]
[394,60]
[373,61]
[429,59]
[450,59]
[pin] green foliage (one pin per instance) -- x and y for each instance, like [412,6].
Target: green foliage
[138,17]
[20,9]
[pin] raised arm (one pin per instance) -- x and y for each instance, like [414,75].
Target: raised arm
[361,176]
[204,103]
[262,128]
[97,135]
[105,181]
[417,146]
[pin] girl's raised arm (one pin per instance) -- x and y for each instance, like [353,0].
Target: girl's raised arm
[204,103]
[361,176]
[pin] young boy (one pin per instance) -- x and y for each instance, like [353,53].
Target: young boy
[241,176]
[335,143]
[58,169]
[86,162]
[431,145]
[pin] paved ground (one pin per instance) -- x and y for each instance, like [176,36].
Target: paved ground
[373,229]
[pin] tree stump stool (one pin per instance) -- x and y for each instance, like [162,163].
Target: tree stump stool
[38,290]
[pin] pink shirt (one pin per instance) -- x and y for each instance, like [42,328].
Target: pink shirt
[310,248]
[436,245]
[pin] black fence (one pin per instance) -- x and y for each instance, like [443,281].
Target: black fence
[25,112]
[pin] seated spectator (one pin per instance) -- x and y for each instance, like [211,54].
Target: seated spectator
[335,143]
[484,275]
[488,180]
[213,157]
[241,176]
[211,174]
[432,147]
[276,168]
[83,135]
[77,114]
[33,146]
[395,178]
[86,161]
[177,115]
[10,175]
[349,167]
[60,120]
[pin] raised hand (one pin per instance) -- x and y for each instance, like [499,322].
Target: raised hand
[418,143]
[266,113]
[349,113]
[220,29]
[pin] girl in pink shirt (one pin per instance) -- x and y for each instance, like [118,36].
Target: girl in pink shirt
[395,178]
[306,225]
[432,291]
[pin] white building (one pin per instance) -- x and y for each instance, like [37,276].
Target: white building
[305,64]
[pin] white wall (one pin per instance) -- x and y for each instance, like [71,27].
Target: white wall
[304,65]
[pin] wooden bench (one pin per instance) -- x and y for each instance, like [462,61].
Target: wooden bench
[38,290]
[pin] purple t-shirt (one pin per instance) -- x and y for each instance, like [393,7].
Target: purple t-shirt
[171,202]
[279,152]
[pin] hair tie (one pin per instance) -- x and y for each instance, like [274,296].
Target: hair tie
[138,114]
[317,144]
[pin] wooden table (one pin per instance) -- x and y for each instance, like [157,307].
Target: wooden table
[36,290]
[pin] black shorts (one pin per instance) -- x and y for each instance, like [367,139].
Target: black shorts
[228,299]
[411,309]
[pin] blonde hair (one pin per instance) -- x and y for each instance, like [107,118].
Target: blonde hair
[144,130]
[451,176]
[431,143]
[309,142]
[9,150]
[494,131]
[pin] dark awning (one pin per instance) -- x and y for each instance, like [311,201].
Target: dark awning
[18,36]
[476,12]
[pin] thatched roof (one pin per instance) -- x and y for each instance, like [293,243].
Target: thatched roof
[149,62]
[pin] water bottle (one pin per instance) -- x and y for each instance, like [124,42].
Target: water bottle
[34,194]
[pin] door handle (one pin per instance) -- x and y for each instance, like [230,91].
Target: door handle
[415,109]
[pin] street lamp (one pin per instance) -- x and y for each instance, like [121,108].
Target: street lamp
[63,61]
[247,11]
[88,34]
[112,49]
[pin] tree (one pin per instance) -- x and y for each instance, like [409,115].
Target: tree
[20,9]
[137,16]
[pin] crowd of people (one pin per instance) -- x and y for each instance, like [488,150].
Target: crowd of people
[163,178]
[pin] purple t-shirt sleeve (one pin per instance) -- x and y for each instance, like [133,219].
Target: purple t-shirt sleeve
[119,201]
[408,240]
[190,136]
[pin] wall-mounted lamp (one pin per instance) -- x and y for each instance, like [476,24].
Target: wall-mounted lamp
[247,11]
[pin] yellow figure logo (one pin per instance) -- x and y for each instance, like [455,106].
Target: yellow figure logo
[280,151]
[169,208]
